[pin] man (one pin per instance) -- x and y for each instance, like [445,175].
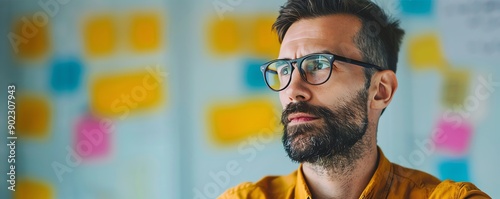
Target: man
[335,76]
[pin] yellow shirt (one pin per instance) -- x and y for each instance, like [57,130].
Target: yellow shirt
[389,181]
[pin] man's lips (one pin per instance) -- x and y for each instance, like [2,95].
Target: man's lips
[300,117]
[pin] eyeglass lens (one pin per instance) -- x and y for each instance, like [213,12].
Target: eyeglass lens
[315,69]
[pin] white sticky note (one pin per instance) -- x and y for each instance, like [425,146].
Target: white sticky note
[469,30]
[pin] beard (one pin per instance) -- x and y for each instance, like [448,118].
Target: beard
[334,140]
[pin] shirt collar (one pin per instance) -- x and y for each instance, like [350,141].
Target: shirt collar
[301,189]
[378,187]
[380,183]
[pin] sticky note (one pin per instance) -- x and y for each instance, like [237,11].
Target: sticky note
[145,33]
[100,35]
[33,189]
[454,169]
[224,36]
[29,39]
[425,52]
[92,137]
[33,116]
[455,135]
[120,94]
[421,7]
[455,87]
[264,42]
[230,123]
[469,36]
[66,74]
[253,76]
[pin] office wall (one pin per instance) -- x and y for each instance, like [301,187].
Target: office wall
[164,98]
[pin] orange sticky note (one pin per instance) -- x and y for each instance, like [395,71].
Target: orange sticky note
[264,42]
[231,123]
[29,39]
[120,94]
[33,116]
[455,87]
[145,31]
[224,36]
[425,52]
[100,35]
[33,189]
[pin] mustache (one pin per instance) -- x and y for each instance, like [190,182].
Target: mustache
[304,107]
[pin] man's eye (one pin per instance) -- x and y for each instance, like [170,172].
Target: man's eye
[317,65]
[323,65]
[285,71]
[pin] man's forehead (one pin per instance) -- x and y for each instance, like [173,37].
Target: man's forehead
[332,33]
[323,27]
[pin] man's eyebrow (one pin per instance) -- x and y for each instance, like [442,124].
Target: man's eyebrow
[325,51]
[316,52]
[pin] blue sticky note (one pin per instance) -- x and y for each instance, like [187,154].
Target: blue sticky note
[423,7]
[454,169]
[66,74]
[253,76]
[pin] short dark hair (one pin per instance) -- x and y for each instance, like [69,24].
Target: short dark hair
[378,39]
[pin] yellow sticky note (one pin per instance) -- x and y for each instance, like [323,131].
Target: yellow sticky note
[100,35]
[145,31]
[425,52]
[224,36]
[231,123]
[33,116]
[455,87]
[264,42]
[29,38]
[33,189]
[121,94]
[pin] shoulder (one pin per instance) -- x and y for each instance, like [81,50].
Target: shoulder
[414,179]
[267,187]
[243,190]
[424,185]
[451,189]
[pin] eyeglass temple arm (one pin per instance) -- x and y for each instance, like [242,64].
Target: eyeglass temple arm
[359,63]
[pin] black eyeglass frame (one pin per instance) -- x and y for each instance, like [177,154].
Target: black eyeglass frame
[331,58]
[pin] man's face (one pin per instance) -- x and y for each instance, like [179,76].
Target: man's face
[324,120]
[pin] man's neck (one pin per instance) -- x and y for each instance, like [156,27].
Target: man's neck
[330,183]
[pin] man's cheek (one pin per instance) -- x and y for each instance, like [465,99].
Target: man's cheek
[283,100]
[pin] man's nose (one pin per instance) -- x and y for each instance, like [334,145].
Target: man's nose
[298,89]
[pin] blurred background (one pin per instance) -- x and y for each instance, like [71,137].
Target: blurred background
[165,99]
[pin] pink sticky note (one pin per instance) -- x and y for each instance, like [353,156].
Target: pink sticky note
[92,137]
[455,135]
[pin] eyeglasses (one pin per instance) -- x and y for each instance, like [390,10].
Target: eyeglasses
[314,69]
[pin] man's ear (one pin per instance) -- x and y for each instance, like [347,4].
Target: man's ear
[384,85]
